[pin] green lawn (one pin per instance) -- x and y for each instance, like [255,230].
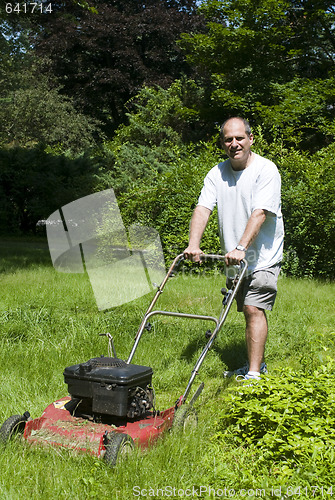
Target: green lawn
[49,320]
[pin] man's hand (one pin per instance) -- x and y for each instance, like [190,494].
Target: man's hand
[234,257]
[193,253]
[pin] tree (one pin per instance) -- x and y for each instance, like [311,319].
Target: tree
[264,41]
[303,113]
[13,48]
[161,122]
[254,50]
[103,58]
[33,184]
[34,112]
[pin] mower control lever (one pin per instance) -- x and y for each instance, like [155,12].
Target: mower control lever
[111,347]
[226,294]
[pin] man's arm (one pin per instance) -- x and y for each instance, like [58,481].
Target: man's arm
[253,226]
[197,227]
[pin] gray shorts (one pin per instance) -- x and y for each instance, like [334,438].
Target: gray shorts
[259,289]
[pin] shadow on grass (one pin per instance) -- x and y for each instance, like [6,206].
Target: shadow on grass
[233,355]
[22,253]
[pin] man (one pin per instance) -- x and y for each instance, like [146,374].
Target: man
[246,189]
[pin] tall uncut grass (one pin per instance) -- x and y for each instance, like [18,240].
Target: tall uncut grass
[49,320]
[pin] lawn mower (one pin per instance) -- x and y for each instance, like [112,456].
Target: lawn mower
[111,403]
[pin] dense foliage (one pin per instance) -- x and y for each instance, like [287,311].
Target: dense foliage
[166,203]
[161,76]
[309,211]
[266,60]
[103,56]
[287,420]
[33,184]
[164,194]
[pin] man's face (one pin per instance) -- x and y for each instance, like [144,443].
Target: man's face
[236,142]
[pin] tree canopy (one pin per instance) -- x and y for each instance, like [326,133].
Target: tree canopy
[257,55]
[102,57]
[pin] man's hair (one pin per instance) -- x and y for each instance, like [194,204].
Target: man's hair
[246,125]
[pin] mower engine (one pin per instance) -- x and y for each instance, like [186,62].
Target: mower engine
[110,386]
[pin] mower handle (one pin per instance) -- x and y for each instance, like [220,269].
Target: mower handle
[203,256]
[176,262]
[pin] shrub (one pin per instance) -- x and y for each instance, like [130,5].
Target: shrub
[167,201]
[289,417]
[308,186]
[161,124]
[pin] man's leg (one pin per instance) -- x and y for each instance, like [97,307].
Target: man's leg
[256,334]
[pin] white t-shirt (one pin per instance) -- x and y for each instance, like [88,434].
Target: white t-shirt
[237,194]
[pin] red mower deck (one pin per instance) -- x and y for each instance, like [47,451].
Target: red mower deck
[57,427]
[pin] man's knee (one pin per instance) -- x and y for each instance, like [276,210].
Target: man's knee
[255,317]
[253,311]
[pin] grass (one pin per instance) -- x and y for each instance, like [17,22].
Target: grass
[49,320]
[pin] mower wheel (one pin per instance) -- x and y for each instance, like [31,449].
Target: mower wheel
[13,425]
[118,446]
[185,418]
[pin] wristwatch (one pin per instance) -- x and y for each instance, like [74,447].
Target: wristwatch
[242,249]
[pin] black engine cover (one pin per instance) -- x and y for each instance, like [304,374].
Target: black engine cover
[107,383]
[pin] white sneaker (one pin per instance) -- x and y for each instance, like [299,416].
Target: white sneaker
[243,378]
[247,380]
[244,370]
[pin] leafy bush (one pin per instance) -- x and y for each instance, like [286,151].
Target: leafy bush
[289,417]
[158,177]
[161,123]
[308,186]
[167,202]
